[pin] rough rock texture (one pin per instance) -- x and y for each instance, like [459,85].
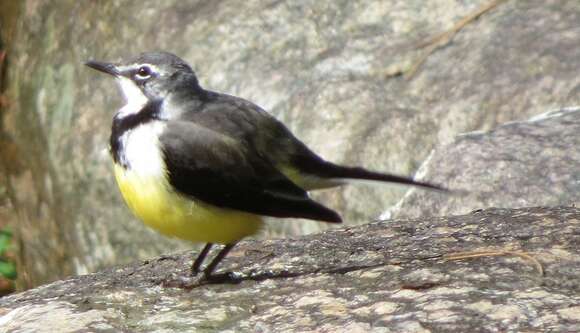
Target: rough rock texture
[324,67]
[520,164]
[390,276]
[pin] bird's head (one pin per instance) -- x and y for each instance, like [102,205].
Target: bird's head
[150,76]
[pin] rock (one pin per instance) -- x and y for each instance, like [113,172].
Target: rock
[323,67]
[386,276]
[519,164]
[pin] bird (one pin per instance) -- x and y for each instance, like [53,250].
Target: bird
[208,167]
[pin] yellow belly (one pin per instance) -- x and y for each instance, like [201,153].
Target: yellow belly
[159,207]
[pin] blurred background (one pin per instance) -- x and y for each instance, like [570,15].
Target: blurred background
[341,74]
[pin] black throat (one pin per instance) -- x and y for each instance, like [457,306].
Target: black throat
[121,125]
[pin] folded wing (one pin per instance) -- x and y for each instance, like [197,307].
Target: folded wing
[212,167]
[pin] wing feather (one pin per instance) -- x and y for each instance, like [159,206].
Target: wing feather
[212,167]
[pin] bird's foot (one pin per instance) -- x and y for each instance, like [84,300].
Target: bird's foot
[227,277]
[193,281]
[183,282]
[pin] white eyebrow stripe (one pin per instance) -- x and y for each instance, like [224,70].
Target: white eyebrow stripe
[127,68]
[153,68]
[134,67]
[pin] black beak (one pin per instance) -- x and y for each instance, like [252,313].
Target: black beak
[104,67]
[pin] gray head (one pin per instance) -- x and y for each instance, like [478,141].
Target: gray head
[153,75]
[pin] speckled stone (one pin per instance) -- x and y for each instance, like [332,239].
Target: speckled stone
[309,285]
[519,164]
[323,67]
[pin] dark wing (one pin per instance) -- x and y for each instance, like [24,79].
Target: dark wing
[219,170]
[247,122]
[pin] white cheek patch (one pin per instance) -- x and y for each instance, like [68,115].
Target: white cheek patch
[133,95]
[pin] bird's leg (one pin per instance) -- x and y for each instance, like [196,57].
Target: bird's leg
[218,258]
[192,281]
[195,268]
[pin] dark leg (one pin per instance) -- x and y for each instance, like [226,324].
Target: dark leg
[192,281]
[221,255]
[199,260]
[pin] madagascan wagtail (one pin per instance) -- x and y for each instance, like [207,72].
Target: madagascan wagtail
[207,167]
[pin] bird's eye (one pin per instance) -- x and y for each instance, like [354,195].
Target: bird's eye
[144,72]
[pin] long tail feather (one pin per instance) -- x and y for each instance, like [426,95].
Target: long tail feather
[328,170]
[337,171]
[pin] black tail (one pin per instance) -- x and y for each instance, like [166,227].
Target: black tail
[324,169]
[337,171]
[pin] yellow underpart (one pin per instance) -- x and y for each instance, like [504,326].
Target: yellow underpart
[152,200]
